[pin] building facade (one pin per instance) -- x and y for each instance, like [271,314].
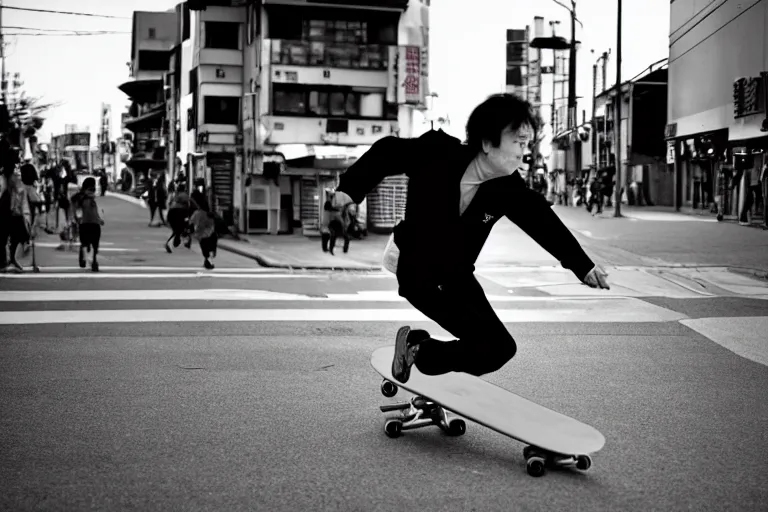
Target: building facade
[717,128]
[645,176]
[269,101]
[153,36]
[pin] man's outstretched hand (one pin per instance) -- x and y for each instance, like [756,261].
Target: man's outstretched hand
[597,278]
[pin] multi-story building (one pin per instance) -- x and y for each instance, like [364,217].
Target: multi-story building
[269,101]
[717,123]
[645,177]
[207,84]
[154,34]
[328,76]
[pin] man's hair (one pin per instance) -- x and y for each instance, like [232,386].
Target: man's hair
[88,184]
[497,112]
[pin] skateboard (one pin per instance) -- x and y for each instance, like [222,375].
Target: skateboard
[552,440]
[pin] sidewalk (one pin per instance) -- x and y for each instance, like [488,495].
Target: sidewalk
[647,237]
[298,252]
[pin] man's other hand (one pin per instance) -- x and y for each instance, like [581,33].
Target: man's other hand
[597,278]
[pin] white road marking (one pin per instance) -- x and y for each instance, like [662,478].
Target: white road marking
[744,336]
[239,294]
[59,244]
[600,312]
[267,273]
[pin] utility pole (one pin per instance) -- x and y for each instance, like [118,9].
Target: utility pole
[617,120]
[552,25]
[594,113]
[2,57]
[572,70]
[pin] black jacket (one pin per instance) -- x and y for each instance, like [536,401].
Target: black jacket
[436,243]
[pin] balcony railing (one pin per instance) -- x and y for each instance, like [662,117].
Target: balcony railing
[335,55]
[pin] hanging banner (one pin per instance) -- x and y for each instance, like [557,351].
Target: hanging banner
[409,76]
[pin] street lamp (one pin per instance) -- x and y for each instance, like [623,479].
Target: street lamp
[571,63]
[595,142]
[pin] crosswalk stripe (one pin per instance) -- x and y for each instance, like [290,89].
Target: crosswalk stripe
[105,273]
[245,295]
[586,312]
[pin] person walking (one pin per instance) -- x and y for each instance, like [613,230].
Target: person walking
[89,221]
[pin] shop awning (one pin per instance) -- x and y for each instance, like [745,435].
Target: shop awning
[143,91]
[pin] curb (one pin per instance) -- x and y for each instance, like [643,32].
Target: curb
[265,262]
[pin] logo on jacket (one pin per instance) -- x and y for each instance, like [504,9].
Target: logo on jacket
[487,218]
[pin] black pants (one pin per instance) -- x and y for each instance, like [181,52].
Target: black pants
[209,245]
[156,208]
[483,344]
[90,236]
[595,199]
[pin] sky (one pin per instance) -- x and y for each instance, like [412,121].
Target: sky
[467,51]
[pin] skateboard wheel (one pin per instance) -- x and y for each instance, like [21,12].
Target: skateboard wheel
[535,466]
[393,428]
[388,389]
[583,462]
[456,428]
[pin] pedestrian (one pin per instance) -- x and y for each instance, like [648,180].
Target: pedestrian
[62,180]
[89,222]
[456,192]
[103,182]
[179,213]
[596,194]
[156,197]
[15,216]
[204,224]
[335,222]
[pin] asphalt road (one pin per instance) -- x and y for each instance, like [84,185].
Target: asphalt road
[103,409]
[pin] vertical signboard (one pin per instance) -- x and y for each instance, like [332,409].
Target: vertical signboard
[517,61]
[409,74]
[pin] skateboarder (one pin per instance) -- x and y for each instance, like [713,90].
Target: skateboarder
[456,192]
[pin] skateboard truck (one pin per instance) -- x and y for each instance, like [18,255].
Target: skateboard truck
[418,412]
[538,460]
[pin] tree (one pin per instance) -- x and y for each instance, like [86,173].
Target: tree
[24,113]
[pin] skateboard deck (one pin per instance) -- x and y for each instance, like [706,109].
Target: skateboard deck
[549,433]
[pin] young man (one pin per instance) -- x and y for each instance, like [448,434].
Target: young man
[456,192]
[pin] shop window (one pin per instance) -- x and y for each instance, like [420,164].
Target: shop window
[287,101]
[372,105]
[335,31]
[284,24]
[223,35]
[318,103]
[222,110]
[338,102]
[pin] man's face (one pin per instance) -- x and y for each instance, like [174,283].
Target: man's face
[508,157]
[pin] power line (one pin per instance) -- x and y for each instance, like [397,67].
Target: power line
[52,29]
[102,33]
[66,12]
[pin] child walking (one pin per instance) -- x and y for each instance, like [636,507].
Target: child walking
[89,220]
